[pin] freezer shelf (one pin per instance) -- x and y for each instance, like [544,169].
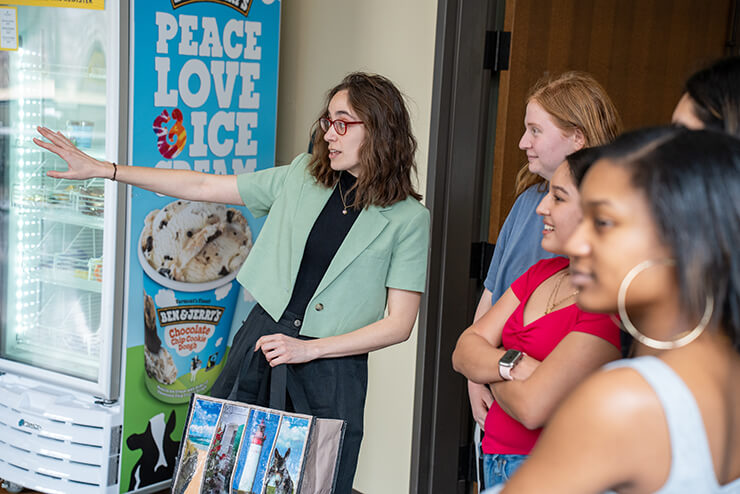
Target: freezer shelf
[73,273]
[63,258]
[68,256]
[63,336]
[57,298]
[72,204]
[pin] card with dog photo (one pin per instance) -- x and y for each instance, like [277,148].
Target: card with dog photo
[286,460]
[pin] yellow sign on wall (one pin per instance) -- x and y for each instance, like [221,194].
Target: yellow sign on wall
[70,4]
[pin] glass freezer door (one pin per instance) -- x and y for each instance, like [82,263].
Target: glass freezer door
[57,291]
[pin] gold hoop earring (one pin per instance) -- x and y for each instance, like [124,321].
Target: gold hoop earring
[646,340]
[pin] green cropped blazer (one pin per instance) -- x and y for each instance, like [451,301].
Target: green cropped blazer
[386,248]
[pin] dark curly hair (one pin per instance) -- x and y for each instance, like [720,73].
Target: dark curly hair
[386,155]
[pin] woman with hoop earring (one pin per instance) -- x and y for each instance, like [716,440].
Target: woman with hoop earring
[658,244]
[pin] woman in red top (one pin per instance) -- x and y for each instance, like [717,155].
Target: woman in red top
[535,345]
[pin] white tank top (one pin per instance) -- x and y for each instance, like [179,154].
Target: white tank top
[692,469]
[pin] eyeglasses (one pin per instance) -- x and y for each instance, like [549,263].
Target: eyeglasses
[340,126]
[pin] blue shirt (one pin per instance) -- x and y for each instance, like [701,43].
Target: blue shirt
[518,245]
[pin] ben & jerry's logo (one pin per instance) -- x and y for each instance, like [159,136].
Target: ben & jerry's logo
[239,5]
[189,314]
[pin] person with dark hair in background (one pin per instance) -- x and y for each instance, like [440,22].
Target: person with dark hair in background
[658,244]
[711,98]
[339,266]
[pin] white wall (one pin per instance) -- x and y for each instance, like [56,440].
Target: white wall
[321,41]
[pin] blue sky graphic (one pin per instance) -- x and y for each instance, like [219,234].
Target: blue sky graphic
[293,434]
[203,422]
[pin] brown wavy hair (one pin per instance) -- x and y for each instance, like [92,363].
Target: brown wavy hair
[386,154]
[574,100]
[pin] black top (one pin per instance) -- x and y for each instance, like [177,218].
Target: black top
[327,234]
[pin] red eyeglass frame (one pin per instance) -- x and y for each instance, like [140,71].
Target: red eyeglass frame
[333,123]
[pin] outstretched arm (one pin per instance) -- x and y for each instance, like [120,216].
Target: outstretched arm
[183,184]
[395,327]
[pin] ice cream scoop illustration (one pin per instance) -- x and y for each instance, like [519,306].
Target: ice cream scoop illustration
[196,242]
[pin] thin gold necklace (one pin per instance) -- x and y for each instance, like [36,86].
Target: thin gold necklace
[341,196]
[551,304]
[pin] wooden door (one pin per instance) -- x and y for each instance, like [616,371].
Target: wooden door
[641,51]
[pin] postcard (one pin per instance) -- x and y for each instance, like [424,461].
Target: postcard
[254,453]
[199,434]
[286,460]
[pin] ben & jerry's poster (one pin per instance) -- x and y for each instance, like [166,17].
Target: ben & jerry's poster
[203,97]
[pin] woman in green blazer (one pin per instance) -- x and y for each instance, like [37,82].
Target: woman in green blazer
[339,266]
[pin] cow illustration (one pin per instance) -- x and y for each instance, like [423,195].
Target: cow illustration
[158,452]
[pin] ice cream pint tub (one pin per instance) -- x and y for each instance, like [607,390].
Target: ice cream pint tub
[190,253]
[81,133]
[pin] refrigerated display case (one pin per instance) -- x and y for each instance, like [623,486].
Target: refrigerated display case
[60,341]
[59,317]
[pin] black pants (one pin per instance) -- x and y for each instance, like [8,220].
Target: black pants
[333,388]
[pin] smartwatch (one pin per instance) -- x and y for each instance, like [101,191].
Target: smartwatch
[507,362]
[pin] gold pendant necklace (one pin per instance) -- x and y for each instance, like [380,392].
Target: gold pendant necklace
[551,304]
[341,196]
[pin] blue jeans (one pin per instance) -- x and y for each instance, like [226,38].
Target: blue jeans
[498,469]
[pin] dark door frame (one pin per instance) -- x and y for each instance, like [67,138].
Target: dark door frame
[457,153]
